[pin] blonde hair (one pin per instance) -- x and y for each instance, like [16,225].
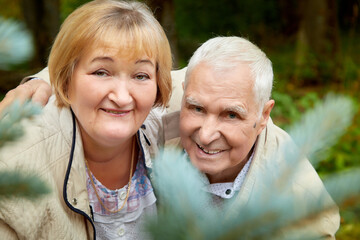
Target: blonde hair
[130,24]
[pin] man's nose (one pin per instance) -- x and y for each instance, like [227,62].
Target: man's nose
[209,131]
[121,93]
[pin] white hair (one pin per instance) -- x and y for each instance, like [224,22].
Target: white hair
[223,53]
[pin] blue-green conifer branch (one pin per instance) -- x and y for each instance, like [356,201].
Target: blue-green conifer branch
[186,211]
[15,183]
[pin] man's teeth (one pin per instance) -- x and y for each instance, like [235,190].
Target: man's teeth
[208,151]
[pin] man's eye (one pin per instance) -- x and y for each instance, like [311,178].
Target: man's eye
[197,109]
[142,77]
[232,115]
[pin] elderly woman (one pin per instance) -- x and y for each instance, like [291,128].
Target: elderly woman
[109,66]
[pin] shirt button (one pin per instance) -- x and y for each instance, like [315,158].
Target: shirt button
[228,191]
[122,195]
[121,232]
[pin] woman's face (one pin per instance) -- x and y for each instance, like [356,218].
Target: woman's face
[111,95]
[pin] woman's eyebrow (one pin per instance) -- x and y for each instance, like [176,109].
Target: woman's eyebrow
[146,61]
[102,58]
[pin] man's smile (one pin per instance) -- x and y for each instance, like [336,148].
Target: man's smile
[208,151]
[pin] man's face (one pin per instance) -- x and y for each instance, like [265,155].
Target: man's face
[219,120]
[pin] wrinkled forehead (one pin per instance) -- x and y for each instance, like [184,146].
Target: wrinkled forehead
[221,85]
[213,73]
[221,69]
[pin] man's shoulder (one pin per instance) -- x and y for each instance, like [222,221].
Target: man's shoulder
[43,74]
[269,142]
[306,183]
[177,77]
[274,132]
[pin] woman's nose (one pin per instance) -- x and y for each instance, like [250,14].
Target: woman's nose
[121,93]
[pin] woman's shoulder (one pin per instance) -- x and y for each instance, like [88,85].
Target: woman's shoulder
[41,139]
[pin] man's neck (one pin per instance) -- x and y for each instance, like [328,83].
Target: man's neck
[230,174]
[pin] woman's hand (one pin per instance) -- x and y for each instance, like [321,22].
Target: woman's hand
[37,90]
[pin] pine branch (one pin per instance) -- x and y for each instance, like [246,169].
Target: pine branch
[16,45]
[344,187]
[186,211]
[314,135]
[175,181]
[10,127]
[321,127]
[14,183]
[17,184]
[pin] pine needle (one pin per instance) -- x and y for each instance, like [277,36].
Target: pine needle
[186,210]
[18,184]
[10,120]
[14,183]
[16,44]
[321,127]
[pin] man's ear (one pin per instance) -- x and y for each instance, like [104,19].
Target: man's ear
[265,114]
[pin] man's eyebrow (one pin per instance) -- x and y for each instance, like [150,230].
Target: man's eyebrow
[192,101]
[237,109]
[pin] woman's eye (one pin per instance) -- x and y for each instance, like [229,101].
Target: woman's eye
[142,77]
[101,73]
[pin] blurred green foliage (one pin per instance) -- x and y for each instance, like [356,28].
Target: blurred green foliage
[10,9]
[292,100]
[272,29]
[289,107]
[345,154]
[197,21]
[185,215]
[67,6]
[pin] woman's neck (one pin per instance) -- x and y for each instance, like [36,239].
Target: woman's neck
[111,165]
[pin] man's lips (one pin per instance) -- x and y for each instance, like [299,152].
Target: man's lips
[208,151]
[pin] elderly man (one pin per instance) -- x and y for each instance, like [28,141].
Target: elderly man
[227,132]
[226,105]
[226,129]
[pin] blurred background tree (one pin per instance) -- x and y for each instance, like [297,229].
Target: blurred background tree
[313,46]
[16,47]
[43,19]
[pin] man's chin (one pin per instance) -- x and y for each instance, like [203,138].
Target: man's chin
[205,166]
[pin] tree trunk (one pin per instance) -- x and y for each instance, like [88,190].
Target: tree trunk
[164,11]
[318,46]
[43,19]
